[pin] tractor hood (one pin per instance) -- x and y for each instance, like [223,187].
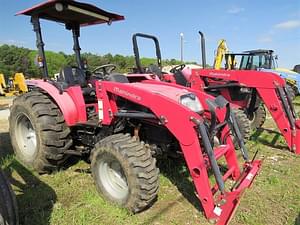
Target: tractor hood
[167,91]
[174,94]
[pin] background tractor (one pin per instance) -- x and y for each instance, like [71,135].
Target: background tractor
[260,60]
[248,89]
[8,204]
[245,89]
[172,76]
[122,125]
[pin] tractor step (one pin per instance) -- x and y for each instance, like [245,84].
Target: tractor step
[228,173]
[220,151]
[226,199]
[223,212]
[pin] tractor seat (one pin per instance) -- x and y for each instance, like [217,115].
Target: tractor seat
[72,76]
[180,78]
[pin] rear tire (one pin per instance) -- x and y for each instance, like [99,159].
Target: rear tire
[8,204]
[125,172]
[258,118]
[38,132]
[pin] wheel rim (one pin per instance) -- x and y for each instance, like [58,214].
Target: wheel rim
[113,179]
[26,136]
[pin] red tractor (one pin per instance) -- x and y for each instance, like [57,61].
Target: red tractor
[122,126]
[246,90]
[174,77]
[8,204]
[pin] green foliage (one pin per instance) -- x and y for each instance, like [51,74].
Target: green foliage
[16,59]
[54,62]
[13,59]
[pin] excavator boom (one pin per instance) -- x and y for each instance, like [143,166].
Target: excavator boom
[220,53]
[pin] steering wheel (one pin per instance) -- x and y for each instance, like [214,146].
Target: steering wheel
[176,68]
[104,70]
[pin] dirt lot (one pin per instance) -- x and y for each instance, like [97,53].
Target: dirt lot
[4,137]
[69,197]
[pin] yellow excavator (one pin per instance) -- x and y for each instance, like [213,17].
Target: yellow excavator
[16,85]
[221,52]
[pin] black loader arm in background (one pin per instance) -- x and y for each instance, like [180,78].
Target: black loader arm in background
[137,53]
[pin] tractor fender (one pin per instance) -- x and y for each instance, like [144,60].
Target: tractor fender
[63,100]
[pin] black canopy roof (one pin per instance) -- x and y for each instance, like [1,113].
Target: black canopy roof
[71,12]
[260,51]
[252,52]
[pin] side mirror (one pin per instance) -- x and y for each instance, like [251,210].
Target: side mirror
[276,57]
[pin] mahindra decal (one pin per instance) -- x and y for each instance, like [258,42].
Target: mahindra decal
[128,94]
[219,74]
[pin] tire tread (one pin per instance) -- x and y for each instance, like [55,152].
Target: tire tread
[142,168]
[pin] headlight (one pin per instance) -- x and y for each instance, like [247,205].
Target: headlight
[192,102]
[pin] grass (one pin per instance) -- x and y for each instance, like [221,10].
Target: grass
[69,197]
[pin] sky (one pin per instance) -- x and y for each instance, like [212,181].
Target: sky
[244,24]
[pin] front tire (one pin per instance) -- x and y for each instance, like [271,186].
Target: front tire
[38,132]
[125,172]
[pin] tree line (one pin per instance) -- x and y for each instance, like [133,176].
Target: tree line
[19,59]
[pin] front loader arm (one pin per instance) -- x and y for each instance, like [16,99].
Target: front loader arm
[283,116]
[268,86]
